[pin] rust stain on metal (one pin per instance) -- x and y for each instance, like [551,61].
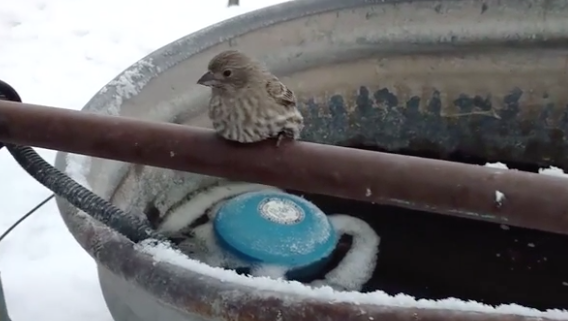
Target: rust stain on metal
[491,103]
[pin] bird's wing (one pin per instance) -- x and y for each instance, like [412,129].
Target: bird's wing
[280,93]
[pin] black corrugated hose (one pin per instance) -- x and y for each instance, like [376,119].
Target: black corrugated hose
[62,185]
[131,226]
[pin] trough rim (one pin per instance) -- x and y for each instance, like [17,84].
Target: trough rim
[212,298]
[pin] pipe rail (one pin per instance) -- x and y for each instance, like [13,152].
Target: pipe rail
[528,200]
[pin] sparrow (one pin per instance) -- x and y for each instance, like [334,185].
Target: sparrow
[248,103]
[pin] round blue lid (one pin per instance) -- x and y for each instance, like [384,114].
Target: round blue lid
[274,228]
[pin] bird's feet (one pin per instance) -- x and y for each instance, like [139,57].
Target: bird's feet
[279,139]
[285,133]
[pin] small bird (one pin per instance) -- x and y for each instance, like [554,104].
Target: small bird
[248,103]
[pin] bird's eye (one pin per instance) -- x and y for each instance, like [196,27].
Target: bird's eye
[226,73]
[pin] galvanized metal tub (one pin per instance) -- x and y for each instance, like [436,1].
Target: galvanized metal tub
[482,78]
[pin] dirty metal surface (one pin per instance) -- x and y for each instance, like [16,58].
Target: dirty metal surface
[492,105]
[484,76]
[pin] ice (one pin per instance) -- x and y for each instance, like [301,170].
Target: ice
[203,247]
[61,53]
[128,85]
[203,200]
[358,265]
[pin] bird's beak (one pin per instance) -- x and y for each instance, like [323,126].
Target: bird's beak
[207,79]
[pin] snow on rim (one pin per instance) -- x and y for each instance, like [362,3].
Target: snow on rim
[161,252]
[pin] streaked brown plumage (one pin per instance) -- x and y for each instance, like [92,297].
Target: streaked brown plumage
[248,103]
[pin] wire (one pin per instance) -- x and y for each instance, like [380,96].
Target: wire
[23,218]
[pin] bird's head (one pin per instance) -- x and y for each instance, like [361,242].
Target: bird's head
[231,69]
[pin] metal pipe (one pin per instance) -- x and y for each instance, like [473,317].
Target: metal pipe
[508,197]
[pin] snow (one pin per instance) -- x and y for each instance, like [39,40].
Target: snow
[499,197]
[162,252]
[552,171]
[497,165]
[60,53]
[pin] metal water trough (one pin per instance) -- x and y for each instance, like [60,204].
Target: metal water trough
[484,79]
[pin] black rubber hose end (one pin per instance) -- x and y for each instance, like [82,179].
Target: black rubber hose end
[62,185]
[8,92]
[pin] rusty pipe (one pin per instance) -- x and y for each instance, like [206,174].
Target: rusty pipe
[529,200]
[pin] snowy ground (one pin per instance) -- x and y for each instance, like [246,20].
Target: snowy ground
[60,53]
